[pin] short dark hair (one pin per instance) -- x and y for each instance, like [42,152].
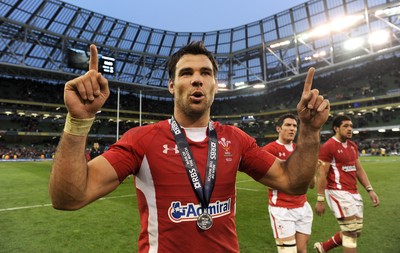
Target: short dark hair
[282,118]
[194,47]
[337,121]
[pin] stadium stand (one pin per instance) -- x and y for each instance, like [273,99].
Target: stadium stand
[274,53]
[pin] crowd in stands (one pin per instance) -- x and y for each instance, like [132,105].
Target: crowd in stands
[380,147]
[367,147]
[370,80]
[26,151]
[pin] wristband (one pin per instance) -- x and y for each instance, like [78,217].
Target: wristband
[320,198]
[78,127]
[369,188]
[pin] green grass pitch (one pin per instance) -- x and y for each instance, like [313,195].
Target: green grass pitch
[28,223]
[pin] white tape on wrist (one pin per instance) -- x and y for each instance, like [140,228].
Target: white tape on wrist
[320,198]
[78,127]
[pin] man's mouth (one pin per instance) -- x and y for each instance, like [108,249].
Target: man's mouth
[197,96]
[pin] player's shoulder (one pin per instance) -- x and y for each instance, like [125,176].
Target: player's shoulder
[328,146]
[145,130]
[230,130]
[331,141]
[271,145]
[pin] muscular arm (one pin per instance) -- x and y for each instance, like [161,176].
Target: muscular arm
[302,164]
[294,175]
[75,183]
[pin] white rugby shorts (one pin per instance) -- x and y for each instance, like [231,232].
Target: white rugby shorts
[285,222]
[344,204]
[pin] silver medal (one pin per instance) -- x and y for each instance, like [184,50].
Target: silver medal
[204,221]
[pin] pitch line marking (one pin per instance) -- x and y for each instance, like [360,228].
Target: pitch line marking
[247,189]
[46,205]
[104,198]
[245,181]
[23,207]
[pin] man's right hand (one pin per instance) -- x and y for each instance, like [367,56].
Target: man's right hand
[313,109]
[320,208]
[85,95]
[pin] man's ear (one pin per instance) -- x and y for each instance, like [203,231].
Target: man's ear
[335,129]
[171,86]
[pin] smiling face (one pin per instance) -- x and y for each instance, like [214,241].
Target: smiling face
[194,87]
[287,131]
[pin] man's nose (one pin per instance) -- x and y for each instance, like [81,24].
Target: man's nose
[197,80]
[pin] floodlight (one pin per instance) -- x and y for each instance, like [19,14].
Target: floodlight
[320,31]
[280,44]
[345,22]
[259,86]
[379,37]
[354,43]
[336,25]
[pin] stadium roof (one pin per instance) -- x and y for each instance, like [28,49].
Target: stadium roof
[36,36]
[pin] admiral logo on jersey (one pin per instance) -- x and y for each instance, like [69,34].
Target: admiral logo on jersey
[190,212]
[349,168]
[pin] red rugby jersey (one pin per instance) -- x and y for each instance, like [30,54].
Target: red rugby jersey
[278,198]
[342,174]
[167,203]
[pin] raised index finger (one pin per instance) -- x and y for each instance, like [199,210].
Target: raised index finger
[309,79]
[94,58]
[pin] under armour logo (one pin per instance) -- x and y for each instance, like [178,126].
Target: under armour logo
[166,149]
[282,154]
[340,151]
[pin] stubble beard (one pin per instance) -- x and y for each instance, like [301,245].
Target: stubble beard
[192,109]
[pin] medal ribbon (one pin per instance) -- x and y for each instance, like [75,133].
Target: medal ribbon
[203,192]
